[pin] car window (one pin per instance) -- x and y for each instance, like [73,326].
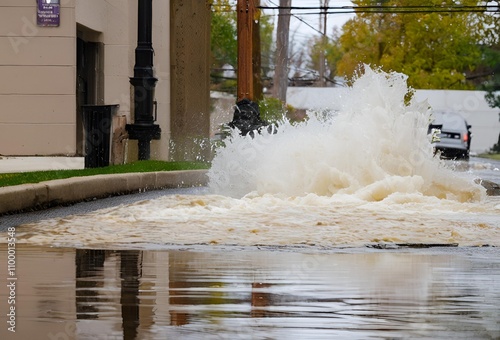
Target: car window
[450,121]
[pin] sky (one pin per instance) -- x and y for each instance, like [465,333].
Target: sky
[306,23]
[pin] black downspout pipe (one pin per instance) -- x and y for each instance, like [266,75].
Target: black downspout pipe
[144,129]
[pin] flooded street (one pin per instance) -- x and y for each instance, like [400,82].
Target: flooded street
[213,293]
[199,217]
[341,227]
[272,220]
[188,264]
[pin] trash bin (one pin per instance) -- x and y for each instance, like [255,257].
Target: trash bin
[97,121]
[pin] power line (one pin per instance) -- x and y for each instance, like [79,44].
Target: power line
[323,8]
[402,12]
[376,8]
[300,19]
[388,9]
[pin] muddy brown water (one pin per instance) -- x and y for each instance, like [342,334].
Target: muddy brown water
[207,292]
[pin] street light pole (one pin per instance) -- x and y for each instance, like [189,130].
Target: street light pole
[144,82]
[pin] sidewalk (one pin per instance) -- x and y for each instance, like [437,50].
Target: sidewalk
[43,195]
[25,164]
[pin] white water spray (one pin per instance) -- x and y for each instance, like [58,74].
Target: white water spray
[375,146]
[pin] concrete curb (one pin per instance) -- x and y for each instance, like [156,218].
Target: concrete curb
[72,190]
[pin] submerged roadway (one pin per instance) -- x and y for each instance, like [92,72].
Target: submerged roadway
[25,204]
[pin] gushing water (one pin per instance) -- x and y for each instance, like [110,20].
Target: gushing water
[363,174]
[375,146]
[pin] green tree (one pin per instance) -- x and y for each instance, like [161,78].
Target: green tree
[491,70]
[333,53]
[437,50]
[267,43]
[223,44]
[491,58]
[493,88]
[492,85]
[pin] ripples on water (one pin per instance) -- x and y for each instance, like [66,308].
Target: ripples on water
[132,294]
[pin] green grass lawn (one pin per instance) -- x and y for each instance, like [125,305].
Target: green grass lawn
[8,179]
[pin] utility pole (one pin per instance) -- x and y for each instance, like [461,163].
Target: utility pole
[256,55]
[282,43]
[322,70]
[246,114]
[246,12]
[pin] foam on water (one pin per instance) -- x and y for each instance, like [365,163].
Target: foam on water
[366,174]
[376,145]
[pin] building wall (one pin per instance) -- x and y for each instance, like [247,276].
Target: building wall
[117,20]
[38,101]
[37,81]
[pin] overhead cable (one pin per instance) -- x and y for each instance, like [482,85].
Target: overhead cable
[388,9]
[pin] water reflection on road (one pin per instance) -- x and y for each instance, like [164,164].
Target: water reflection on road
[67,293]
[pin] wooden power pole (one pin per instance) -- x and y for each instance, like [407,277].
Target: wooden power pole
[246,115]
[246,13]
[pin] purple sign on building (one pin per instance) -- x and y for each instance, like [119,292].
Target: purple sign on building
[48,13]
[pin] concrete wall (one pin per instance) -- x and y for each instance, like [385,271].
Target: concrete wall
[161,45]
[37,81]
[470,104]
[190,92]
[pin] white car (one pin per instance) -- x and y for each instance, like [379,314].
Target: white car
[455,137]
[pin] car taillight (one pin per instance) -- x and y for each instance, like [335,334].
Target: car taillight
[465,137]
